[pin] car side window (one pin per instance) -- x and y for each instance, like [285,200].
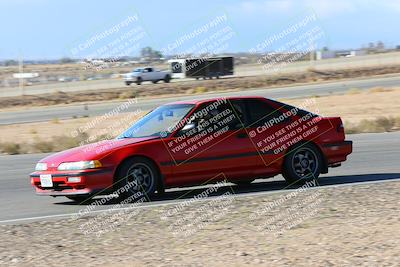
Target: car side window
[260,112]
[218,115]
[234,117]
[239,111]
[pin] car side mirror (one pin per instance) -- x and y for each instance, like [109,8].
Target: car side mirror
[188,127]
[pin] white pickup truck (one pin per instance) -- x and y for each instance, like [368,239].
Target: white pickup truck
[140,75]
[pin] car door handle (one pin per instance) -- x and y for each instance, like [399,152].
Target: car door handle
[241,135]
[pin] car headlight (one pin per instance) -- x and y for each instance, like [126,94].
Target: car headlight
[79,165]
[41,166]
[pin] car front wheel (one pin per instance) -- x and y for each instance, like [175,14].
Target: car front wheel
[302,163]
[138,176]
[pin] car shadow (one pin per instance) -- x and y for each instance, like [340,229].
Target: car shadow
[270,186]
[258,186]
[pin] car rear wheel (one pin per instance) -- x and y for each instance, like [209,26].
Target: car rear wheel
[139,176]
[139,81]
[128,83]
[167,78]
[302,163]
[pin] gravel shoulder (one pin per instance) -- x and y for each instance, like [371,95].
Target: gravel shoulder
[355,225]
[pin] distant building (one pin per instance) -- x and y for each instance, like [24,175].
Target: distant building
[325,54]
[360,52]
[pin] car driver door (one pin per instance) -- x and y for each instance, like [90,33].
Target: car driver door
[213,145]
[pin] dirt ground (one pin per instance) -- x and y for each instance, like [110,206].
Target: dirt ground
[353,107]
[32,132]
[357,105]
[355,225]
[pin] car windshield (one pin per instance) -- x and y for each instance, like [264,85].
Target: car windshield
[161,120]
[138,70]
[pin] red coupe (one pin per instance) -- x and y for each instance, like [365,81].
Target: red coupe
[237,139]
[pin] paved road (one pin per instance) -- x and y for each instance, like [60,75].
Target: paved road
[69,111]
[375,159]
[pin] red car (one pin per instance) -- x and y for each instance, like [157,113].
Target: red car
[237,139]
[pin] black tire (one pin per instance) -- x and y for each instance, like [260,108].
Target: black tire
[127,83]
[167,78]
[142,173]
[155,82]
[138,81]
[302,163]
[243,182]
[80,199]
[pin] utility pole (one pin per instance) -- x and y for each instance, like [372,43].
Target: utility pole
[21,70]
[312,52]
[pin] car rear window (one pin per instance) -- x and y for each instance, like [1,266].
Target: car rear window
[260,112]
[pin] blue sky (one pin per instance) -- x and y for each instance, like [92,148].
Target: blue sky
[40,29]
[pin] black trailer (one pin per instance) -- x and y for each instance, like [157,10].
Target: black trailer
[202,67]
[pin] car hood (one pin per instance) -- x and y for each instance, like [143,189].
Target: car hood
[91,151]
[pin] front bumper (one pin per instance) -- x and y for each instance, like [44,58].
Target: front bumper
[91,181]
[130,79]
[337,152]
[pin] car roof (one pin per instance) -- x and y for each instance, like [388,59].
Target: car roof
[205,100]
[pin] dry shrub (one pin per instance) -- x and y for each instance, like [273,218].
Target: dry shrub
[378,125]
[379,90]
[11,148]
[43,146]
[200,90]
[65,142]
[128,95]
[353,91]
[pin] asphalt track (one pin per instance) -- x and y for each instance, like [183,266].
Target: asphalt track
[375,160]
[69,111]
